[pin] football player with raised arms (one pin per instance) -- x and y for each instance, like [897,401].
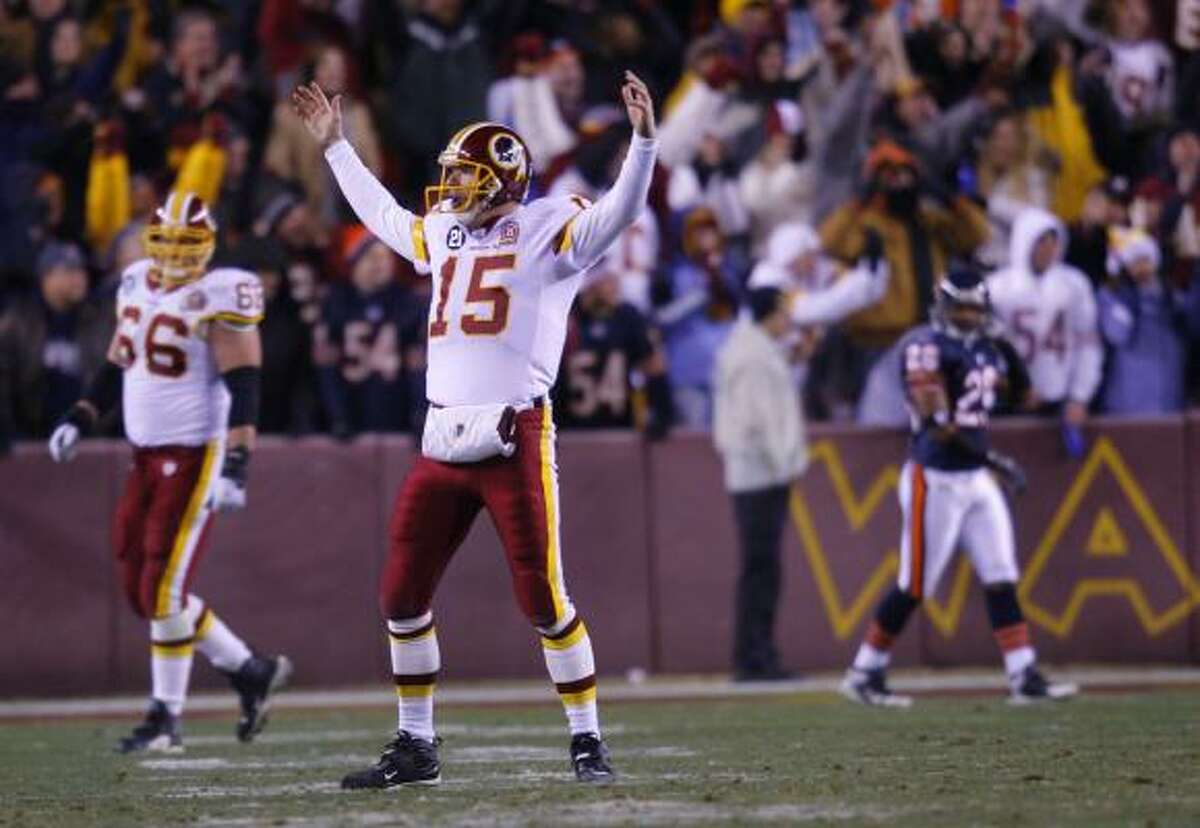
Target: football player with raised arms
[954,372]
[184,366]
[505,272]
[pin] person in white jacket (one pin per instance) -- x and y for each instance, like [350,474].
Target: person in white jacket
[1048,310]
[817,290]
[759,432]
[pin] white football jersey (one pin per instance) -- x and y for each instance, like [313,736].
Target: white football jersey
[172,392]
[501,295]
[1050,317]
[498,316]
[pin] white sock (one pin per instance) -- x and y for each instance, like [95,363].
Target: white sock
[1015,661]
[415,664]
[871,658]
[572,668]
[215,640]
[171,645]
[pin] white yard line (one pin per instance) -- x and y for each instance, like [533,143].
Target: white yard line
[472,755]
[610,690]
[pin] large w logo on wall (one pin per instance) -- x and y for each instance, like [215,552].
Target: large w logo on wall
[1103,539]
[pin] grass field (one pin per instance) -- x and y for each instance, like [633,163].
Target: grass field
[1131,759]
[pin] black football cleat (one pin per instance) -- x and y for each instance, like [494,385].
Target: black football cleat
[589,758]
[406,760]
[1031,686]
[870,687]
[159,732]
[255,682]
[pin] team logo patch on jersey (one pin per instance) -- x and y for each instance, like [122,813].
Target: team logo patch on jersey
[456,237]
[195,301]
[509,232]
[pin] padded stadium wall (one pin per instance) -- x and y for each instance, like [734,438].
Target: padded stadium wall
[1108,544]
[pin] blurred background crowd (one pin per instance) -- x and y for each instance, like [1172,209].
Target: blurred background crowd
[790,132]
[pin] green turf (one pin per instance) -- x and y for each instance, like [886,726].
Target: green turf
[1101,760]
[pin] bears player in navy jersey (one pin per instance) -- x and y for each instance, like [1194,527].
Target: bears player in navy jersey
[954,374]
[611,348]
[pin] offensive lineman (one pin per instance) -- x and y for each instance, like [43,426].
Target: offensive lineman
[184,364]
[953,372]
[505,273]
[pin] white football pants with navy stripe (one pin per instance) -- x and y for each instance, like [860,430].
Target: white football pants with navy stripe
[945,510]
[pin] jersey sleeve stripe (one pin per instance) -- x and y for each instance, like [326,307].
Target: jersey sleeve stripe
[562,239]
[418,241]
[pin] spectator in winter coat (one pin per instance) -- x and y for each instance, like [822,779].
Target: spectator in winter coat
[1008,179]
[528,101]
[1141,73]
[292,154]
[364,345]
[1049,313]
[710,180]
[1180,223]
[759,432]
[777,186]
[441,83]
[49,346]
[1146,324]
[696,313]
[613,372]
[817,290]
[289,404]
[1107,205]
[921,228]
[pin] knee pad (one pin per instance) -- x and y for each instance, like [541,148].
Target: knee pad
[895,609]
[193,608]
[174,627]
[404,627]
[1002,606]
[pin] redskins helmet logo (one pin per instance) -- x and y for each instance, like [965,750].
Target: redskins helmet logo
[506,152]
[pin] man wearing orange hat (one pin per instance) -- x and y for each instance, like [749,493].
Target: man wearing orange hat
[921,228]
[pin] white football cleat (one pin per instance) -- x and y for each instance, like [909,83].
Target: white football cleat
[870,687]
[1030,687]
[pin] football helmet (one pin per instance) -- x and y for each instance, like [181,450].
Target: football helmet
[484,165]
[181,238]
[963,305]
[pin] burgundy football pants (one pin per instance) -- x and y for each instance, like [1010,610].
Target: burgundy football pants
[438,502]
[161,524]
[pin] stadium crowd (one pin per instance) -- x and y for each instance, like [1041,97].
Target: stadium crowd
[1021,136]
